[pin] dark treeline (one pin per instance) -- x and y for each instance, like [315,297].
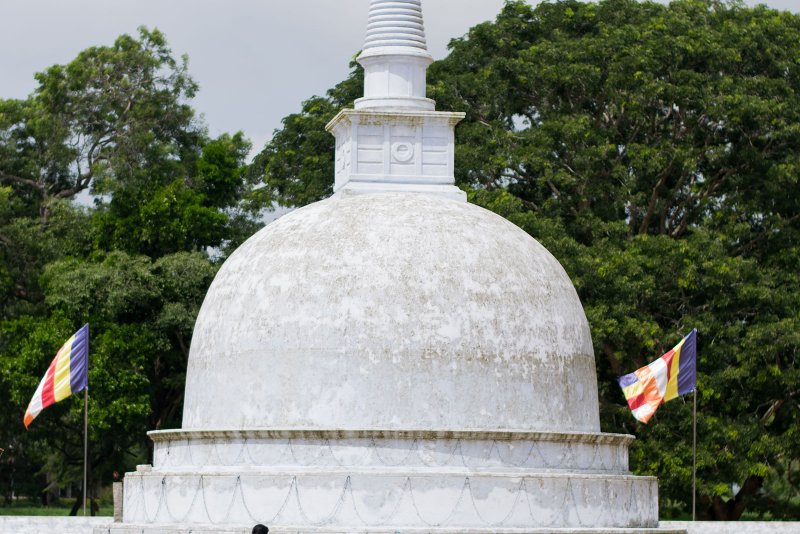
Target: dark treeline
[115,124]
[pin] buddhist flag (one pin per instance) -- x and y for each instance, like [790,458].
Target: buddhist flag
[68,374]
[672,375]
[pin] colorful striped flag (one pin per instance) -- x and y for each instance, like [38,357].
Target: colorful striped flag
[67,374]
[672,375]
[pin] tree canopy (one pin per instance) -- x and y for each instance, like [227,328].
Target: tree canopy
[114,125]
[655,150]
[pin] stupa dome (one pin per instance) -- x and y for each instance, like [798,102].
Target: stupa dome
[392,311]
[392,359]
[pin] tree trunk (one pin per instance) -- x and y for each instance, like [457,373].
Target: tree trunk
[79,499]
[732,510]
[78,502]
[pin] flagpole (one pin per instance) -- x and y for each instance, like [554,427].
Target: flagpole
[694,458]
[85,444]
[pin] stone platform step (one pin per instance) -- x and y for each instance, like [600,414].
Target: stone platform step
[535,451]
[52,524]
[389,481]
[201,529]
[409,501]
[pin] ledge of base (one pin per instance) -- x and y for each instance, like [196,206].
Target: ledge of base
[355,187]
[118,528]
[310,433]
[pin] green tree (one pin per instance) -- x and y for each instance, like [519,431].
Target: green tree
[655,150]
[115,122]
[190,208]
[297,165]
[113,114]
[141,314]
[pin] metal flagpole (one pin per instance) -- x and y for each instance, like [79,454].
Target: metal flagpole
[86,428]
[694,458]
[85,444]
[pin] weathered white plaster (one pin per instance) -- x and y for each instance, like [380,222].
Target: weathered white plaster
[395,152]
[396,312]
[104,525]
[395,58]
[351,499]
[394,140]
[377,479]
[52,525]
[395,24]
[540,451]
[231,529]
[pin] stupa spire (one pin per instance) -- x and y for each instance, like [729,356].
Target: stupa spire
[395,141]
[395,57]
[395,23]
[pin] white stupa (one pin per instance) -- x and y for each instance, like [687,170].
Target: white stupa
[392,358]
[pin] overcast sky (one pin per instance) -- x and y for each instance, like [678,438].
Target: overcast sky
[255,60]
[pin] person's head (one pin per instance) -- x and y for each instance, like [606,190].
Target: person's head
[260,529]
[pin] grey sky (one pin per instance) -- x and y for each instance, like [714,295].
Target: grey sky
[255,60]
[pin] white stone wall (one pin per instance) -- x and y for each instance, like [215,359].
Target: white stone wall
[341,481]
[102,525]
[734,527]
[395,151]
[52,525]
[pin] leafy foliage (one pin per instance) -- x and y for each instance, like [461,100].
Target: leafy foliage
[114,113]
[297,165]
[116,121]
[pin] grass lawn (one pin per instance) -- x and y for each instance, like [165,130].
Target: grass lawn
[63,508]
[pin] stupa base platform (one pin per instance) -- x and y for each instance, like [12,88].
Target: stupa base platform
[388,481]
[169,529]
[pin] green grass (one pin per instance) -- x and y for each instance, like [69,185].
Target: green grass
[61,509]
